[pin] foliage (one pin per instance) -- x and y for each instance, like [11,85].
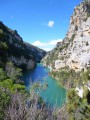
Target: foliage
[1,33]
[3,52]
[2,74]
[85,76]
[87,3]
[9,85]
[72,38]
[4,102]
[65,76]
[87,43]
[12,72]
[78,108]
[8,89]
[3,45]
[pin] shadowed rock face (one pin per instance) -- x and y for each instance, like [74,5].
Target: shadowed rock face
[74,50]
[20,53]
[37,52]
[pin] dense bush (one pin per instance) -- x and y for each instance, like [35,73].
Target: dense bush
[8,87]
[78,108]
[12,72]
[2,74]
[17,104]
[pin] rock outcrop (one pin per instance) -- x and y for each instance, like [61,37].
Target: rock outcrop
[13,48]
[37,52]
[74,50]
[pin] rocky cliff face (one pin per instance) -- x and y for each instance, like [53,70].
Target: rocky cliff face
[74,50]
[13,48]
[37,52]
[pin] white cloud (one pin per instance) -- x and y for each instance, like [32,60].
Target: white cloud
[38,43]
[46,49]
[51,23]
[54,42]
[46,45]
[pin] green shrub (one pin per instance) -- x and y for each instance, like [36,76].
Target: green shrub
[3,45]
[13,72]
[72,38]
[1,32]
[2,74]
[4,102]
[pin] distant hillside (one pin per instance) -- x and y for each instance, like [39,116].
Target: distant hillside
[13,48]
[37,52]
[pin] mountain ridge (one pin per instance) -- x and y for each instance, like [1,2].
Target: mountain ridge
[14,49]
[75,47]
[69,64]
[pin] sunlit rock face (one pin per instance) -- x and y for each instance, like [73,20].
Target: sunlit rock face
[79,91]
[74,50]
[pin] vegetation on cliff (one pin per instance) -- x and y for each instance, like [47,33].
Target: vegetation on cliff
[78,92]
[16,103]
[69,63]
[13,48]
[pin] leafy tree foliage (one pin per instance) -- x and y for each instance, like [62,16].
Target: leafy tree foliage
[2,74]
[12,72]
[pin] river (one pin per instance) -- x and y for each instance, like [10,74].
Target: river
[54,94]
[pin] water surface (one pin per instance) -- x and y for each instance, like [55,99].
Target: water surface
[54,94]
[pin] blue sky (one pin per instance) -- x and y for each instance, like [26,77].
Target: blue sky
[39,22]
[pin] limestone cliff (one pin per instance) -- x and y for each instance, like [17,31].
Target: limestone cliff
[13,48]
[74,50]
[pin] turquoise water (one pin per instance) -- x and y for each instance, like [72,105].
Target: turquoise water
[54,94]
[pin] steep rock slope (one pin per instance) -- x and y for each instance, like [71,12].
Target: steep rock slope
[74,50]
[13,48]
[37,52]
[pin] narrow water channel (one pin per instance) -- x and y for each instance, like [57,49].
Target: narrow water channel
[54,94]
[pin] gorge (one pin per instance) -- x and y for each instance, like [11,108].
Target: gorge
[54,95]
[40,95]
